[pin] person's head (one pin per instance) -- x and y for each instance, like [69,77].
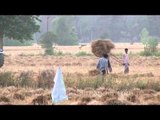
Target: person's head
[126,50]
[105,55]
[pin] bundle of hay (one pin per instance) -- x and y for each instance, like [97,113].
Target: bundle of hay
[100,47]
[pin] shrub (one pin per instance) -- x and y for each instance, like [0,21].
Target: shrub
[49,51]
[141,84]
[17,43]
[148,53]
[149,42]
[7,79]
[59,53]
[25,79]
[4,99]
[83,53]
[47,40]
[145,53]
[45,79]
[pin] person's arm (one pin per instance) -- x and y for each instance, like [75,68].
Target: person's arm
[123,59]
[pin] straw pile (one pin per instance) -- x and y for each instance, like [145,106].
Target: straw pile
[100,47]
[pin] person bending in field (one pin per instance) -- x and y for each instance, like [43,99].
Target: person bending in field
[126,61]
[102,64]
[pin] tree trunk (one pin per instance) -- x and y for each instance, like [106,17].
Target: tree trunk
[1,41]
[1,49]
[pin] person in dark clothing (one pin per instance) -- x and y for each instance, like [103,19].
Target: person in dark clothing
[109,66]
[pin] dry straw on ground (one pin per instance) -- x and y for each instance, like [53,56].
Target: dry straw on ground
[100,47]
[94,72]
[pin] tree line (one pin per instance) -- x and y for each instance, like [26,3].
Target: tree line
[71,30]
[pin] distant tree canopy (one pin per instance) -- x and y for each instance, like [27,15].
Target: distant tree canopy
[19,27]
[72,29]
[64,29]
[48,39]
[119,28]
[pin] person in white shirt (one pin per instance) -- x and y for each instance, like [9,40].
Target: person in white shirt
[126,61]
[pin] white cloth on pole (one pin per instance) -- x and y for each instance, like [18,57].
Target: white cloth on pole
[59,90]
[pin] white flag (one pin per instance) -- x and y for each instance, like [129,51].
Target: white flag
[59,90]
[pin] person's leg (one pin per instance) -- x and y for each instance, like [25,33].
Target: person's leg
[107,72]
[103,72]
[103,75]
[126,68]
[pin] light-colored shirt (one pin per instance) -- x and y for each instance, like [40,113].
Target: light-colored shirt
[125,58]
[102,64]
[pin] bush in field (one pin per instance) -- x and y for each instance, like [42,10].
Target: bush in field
[95,83]
[147,53]
[25,79]
[141,84]
[113,81]
[154,85]
[45,79]
[83,53]
[17,43]
[65,30]
[47,41]
[49,51]
[7,79]
[150,43]
[59,53]
[4,99]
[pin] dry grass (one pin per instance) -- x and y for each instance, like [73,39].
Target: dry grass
[36,49]
[82,97]
[84,86]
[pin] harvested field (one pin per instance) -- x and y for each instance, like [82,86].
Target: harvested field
[140,86]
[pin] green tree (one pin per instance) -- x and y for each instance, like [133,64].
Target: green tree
[64,29]
[154,25]
[153,43]
[19,27]
[150,42]
[144,35]
[47,41]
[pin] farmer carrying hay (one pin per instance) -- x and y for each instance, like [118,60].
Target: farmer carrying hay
[102,48]
[102,64]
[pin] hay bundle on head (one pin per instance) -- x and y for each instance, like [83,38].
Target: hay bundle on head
[100,47]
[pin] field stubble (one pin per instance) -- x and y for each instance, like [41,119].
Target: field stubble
[140,86]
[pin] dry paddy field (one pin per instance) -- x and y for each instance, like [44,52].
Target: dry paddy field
[140,87]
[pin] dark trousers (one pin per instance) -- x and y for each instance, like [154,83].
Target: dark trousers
[109,66]
[126,68]
[103,72]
